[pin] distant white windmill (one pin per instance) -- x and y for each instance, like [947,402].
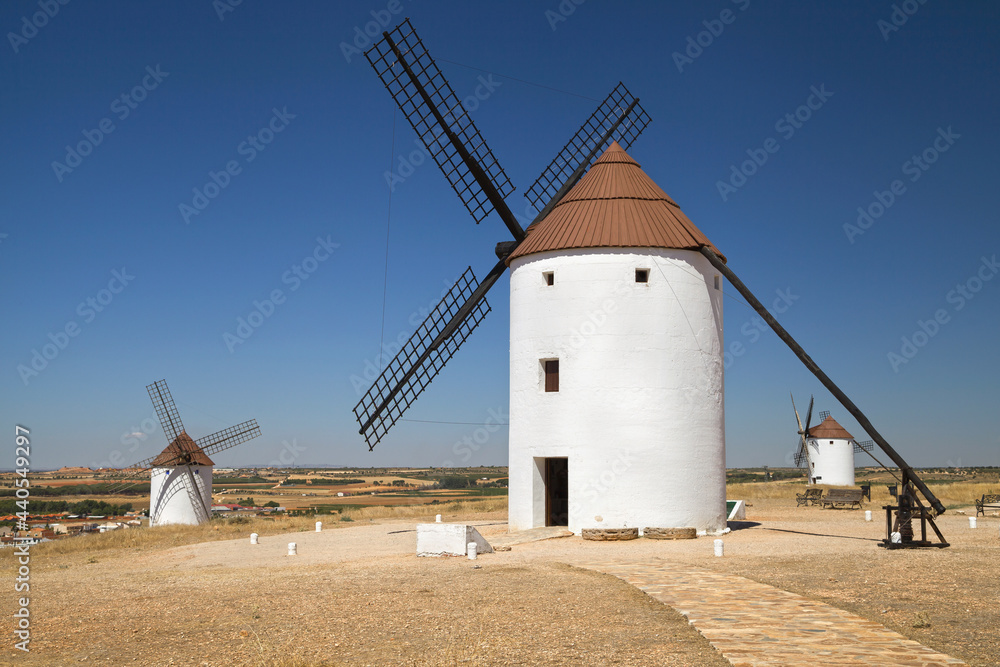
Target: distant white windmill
[180,482]
[827,449]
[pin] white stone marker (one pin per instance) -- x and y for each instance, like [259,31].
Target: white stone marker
[972,522]
[253,538]
[437,518]
[718,547]
[449,539]
[291,549]
[319,526]
[472,550]
[868,515]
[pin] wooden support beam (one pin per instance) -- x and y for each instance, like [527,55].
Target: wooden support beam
[787,339]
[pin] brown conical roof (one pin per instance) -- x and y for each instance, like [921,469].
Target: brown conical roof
[829,429]
[614,205]
[182,449]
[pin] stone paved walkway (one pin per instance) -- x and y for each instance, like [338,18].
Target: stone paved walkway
[755,624]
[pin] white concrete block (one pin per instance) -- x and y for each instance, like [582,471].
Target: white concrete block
[449,539]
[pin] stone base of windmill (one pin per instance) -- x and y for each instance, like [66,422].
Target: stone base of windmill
[610,534]
[670,533]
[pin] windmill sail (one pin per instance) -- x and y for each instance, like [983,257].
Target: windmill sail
[419,361]
[444,126]
[802,453]
[166,411]
[229,437]
[864,446]
[620,113]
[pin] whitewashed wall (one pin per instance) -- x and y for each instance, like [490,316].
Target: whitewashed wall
[640,409]
[171,500]
[831,461]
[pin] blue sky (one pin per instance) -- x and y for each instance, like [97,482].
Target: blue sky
[304,209]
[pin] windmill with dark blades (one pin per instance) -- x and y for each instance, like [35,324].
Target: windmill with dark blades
[616,355]
[826,450]
[181,475]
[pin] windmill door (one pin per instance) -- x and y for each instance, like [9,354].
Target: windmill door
[557,491]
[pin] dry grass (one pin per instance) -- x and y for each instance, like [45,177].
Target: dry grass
[463,507]
[962,494]
[952,494]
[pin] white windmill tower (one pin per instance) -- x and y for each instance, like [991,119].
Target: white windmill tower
[180,477]
[616,380]
[827,450]
[180,484]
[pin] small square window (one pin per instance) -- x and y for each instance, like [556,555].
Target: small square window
[549,277]
[551,367]
[716,282]
[642,275]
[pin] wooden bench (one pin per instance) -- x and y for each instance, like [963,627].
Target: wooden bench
[810,497]
[841,497]
[988,501]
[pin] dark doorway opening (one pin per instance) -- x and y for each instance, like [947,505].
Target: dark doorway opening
[557,492]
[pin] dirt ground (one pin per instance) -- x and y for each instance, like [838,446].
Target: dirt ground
[357,594]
